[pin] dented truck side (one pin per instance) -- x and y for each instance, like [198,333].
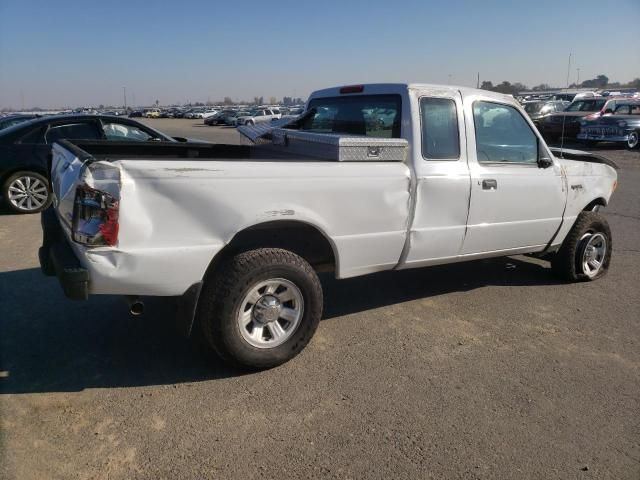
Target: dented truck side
[181,226]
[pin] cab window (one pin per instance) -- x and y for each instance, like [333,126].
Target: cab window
[440,137]
[503,135]
[370,115]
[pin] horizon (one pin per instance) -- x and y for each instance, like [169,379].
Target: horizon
[184,54]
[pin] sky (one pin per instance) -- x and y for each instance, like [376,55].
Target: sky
[72,53]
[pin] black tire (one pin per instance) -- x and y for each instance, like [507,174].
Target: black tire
[224,293]
[567,262]
[10,183]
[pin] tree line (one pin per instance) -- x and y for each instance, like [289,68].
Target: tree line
[599,82]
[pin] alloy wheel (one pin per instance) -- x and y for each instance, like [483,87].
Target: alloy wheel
[27,193]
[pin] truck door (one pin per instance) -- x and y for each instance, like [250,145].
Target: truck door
[442,176]
[515,203]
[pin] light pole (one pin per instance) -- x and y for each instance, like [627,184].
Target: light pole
[449,79]
[578,81]
[124,92]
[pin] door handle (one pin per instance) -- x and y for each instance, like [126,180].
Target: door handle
[489,184]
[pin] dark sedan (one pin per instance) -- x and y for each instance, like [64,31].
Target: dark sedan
[10,120]
[26,147]
[622,126]
[218,118]
[567,122]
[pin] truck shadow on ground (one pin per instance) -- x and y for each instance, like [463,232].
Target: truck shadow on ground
[51,344]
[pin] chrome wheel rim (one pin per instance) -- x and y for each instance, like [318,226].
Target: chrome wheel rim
[633,140]
[28,193]
[593,253]
[270,313]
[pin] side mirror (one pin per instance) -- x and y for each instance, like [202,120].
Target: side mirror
[544,161]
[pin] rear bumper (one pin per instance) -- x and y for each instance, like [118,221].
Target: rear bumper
[58,259]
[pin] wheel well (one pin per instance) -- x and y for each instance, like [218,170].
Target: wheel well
[298,237]
[595,205]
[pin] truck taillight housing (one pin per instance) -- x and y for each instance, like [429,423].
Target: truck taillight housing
[95,217]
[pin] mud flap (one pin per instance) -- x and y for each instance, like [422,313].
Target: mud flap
[186,312]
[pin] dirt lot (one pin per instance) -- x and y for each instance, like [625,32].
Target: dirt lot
[486,370]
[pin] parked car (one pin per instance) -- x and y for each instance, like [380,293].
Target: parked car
[608,107]
[10,120]
[567,122]
[538,109]
[25,148]
[433,192]
[218,118]
[208,113]
[622,126]
[258,116]
[152,113]
[194,113]
[233,118]
[136,113]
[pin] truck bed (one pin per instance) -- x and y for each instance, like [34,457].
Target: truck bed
[287,146]
[112,151]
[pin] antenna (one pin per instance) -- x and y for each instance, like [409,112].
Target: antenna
[564,117]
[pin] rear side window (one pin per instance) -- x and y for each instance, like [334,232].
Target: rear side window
[74,131]
[370,115]
[35,136]
[440,137]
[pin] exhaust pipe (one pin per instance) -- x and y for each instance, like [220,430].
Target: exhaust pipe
[136,306]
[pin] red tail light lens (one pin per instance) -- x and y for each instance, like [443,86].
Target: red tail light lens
[95,217]
[352,89]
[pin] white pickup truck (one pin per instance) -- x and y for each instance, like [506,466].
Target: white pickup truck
[239,232]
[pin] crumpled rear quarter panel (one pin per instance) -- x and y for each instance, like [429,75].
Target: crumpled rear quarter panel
[175,216]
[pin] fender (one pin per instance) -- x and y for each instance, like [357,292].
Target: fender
[582,156]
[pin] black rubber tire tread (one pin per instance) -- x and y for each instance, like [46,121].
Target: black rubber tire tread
[565,262]
[224,291]
[11,178]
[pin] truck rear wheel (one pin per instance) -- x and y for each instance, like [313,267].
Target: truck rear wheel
[585,253]
[261,308]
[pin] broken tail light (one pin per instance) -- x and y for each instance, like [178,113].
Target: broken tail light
[95,217]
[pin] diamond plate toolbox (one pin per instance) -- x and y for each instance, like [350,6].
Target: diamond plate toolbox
[343,148]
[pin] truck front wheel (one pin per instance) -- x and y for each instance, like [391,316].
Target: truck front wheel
[585,253]
[261,307]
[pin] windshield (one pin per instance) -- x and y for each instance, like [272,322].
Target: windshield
[370,115]
[586,106]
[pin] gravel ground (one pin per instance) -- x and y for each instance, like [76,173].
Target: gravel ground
[491,369]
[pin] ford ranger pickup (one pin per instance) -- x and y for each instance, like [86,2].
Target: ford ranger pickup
[370,178]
